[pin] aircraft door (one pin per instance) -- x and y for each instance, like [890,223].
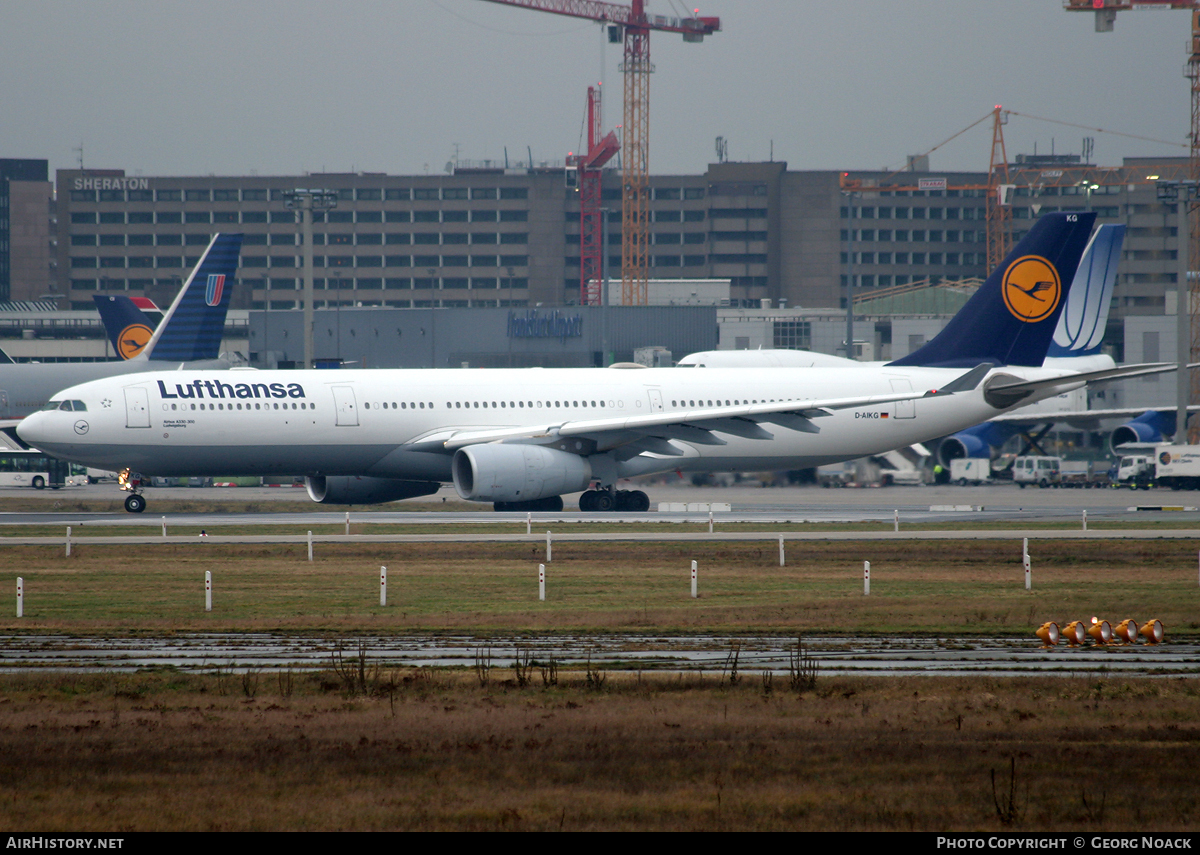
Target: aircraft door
[345,405]
[903,409]
[656,402]
[137,407]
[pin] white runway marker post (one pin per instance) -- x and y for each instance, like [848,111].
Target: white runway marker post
[20,596]
[542,582]
[310,546]
[781,556]
[528,522]
[866,578]
[548,547]
[164,526]
[710,522]
[896,520]
[383,586]
[68,541]
[1025,563]
[347,523]
[208,590]
[695,594]
[1085,519]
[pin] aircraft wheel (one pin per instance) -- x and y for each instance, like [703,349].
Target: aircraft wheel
[39,483]
[604,501]
[639,501]
[553,504]
[587,501]
[135,503]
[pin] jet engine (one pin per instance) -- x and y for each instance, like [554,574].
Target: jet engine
[357,490]
[1149,427]
[517,472]
[977,441]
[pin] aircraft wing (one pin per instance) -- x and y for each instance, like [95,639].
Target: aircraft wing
[1137,370]
[698,426]
[1084,418]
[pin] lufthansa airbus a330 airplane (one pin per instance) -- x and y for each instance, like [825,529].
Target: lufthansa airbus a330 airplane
[522,438]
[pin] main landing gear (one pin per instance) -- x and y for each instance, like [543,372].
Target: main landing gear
[614,500]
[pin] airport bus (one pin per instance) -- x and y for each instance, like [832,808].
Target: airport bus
[32,468]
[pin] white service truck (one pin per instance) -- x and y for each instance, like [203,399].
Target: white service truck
[1177,466]
[970,470]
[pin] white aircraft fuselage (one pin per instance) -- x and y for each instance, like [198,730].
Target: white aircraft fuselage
[405,423]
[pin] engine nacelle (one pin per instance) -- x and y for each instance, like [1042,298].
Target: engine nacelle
[517,473]
[358,490]
[1147,428]
[977,441]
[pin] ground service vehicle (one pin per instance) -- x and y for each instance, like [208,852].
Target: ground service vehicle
[1036,469]
[1178,466]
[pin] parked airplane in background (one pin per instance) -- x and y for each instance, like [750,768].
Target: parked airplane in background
[190,334]
[522,438]
[125,320]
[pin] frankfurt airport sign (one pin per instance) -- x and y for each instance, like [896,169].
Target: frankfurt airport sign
[551,325]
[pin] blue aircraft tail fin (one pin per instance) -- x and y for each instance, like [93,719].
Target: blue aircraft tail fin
[1084,316]
[193,325]
[1011,319]
[129,329]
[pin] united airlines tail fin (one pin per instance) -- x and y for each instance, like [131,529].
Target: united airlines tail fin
[192,327]
[1011,319]
[129,328]
[1084,317]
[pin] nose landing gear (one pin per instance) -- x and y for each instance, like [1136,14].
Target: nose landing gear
[132,483]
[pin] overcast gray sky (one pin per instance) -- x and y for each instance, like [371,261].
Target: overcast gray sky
[178,87]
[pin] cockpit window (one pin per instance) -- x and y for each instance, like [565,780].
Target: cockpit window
[67,406]
[53,405]
[79,406]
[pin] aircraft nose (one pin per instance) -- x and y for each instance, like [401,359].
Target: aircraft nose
[35,428]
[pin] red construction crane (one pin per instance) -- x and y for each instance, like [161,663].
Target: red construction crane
[590,177]
[635,149]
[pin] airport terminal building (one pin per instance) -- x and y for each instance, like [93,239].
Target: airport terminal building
[486,237]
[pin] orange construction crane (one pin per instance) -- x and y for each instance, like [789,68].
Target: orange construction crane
[635,147]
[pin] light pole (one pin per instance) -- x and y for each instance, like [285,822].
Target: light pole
[1183,194]
[307,201]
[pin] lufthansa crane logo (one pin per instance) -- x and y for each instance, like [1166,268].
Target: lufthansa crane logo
[132,339]
[1031,289]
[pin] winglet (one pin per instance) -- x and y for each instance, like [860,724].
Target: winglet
[193,325]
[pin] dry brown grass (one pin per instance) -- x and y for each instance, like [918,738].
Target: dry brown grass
[950,587]
[434,750]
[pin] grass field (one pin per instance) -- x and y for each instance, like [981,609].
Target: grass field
[947,587]
[422,750]
[425,749]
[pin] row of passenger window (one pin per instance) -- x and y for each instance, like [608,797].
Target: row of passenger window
[231,406]
[500,405]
